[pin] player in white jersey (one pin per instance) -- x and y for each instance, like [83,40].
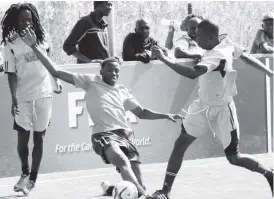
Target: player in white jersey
[30,86]
[107,104]
[214,109]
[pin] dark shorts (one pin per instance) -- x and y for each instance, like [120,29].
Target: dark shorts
[101,141]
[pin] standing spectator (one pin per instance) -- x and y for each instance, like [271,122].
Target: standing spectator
[137,46]
[1,62]
[186,46]
[263,42]
[183,27]
[88,40]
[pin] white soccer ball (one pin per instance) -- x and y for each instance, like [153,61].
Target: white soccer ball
[125,190]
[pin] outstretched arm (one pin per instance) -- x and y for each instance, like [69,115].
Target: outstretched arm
[184,70]
[143,113]
[252,61]
[30,39]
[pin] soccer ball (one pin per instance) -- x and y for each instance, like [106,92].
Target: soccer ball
[125,190]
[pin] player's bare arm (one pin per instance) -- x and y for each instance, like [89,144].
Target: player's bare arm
[12,79]
[184,70]
[143,113]
[30,39]
[252,61]
[182,53]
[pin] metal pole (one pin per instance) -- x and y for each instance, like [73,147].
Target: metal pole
[111,32]
[189,8]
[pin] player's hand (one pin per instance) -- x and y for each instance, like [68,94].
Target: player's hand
[14,107]
[174,117]
[157,52]
[59,87]
[198,57]
[28,36]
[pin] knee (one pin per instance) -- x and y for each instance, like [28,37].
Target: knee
[23,138]
[38,138]
[118,159]
[233,159]
[184,139]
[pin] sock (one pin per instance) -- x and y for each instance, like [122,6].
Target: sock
[110,190]
[25,170]
[33,176]
[169,179]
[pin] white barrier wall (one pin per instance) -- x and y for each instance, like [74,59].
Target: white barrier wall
[67,142]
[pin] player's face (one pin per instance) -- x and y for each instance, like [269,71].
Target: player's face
[204,40]
[191,27]
[24,20]
[105,8]
[143,29]
[110,73]
[268,26]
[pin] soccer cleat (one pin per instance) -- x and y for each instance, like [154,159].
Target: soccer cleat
[107,188]
[30,185]
[159,194]
[20,185]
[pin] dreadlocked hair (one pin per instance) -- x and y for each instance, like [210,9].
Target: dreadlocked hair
[10,20]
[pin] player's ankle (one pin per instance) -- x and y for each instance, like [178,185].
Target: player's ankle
[33,176]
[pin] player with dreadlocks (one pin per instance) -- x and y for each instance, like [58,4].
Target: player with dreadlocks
[30,87]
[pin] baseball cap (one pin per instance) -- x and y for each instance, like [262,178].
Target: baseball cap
[268,16]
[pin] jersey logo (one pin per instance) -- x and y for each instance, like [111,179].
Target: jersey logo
[30,57]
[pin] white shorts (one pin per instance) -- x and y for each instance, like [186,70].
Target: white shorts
[34,115]
[221,120]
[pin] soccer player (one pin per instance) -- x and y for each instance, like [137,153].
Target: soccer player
[107,104]
[30,87]
[214,109]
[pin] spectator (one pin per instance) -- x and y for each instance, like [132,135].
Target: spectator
[183,27]
[263,42]
[137,46]
[88,40]
[186,46]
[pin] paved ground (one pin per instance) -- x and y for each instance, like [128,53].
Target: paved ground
[204,178]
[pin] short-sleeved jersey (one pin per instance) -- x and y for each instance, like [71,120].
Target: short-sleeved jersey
[107,105]
[33,79]
[217,85]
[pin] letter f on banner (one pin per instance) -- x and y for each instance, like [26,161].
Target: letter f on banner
[73,109]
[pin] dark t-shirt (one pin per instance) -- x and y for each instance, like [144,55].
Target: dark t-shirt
[134,48]
[90,36]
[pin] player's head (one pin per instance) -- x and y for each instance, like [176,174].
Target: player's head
[103,7]
[184,23]
[19,17]
[191,27]
[142,28]
[268,23]
[110,69]
[207,35]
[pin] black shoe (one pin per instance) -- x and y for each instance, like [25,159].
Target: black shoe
[159,194]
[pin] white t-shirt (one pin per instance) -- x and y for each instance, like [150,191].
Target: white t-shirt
[217,86]
[33,79]
[107,105]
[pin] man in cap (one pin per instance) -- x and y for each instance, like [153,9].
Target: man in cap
[88,40]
